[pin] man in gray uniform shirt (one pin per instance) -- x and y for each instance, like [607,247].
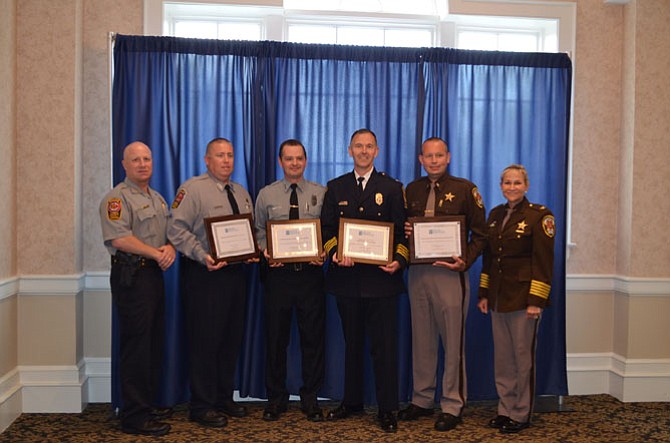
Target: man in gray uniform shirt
[134,220]
[214,293]
[292,285]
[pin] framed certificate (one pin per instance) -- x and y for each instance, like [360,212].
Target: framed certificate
[436,238]
[366,241]
[231,237]
[293,241]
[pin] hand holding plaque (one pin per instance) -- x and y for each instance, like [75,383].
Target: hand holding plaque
[231,237]
[437,238]
[365,241]
[294,241]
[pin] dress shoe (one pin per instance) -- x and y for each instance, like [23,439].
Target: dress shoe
[446,422]
[210,418]
[513,426]
[161,413]
[313,412]
[273,411]
[387,422]
[344,411]
[233,409]
[412,412]
[498,421]
[149,427]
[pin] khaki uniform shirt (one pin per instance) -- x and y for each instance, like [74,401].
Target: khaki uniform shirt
[272,203]
[198,198]
[127,210]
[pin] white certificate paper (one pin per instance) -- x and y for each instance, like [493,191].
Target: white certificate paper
[437,240]
[232,238]
[366,241]
[294,240]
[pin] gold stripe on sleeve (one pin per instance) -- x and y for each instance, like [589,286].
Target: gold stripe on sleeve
[539,289]
[484,281]
[330,244]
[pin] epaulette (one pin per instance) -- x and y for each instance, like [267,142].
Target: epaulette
[385,175]
[536,207]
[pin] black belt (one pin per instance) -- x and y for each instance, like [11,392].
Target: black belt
[124,258]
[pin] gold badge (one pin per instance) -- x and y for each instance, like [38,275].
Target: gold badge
[114,208]
[521,227]
[549,225]
[379,198]
[449,196]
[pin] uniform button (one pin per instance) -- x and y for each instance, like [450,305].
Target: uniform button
[499,249]
[341,212]
[360,209]
[379,214]
[498,260]
[500,236]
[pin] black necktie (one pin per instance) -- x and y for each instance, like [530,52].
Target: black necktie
[293,212]
[359,187]
[231,199]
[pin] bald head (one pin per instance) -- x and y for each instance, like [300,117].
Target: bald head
[138,163]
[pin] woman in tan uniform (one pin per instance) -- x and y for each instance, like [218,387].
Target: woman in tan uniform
[514,286]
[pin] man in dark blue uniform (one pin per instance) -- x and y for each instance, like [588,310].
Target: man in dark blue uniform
[367,295]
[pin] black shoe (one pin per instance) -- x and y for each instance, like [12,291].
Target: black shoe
[498,421]
[210,418]
[513,426]
[387,422]
[313,412]
[149,427]
[344,411]
[446,422]
[412,412]
[161,413]
[233,409]
[273,411]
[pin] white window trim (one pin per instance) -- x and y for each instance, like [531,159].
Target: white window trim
[563,11]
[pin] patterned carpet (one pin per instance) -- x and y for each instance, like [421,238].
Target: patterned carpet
[594,418]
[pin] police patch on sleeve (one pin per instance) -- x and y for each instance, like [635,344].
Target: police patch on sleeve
[548,225]
[114,208]
[178,198]
[478,197]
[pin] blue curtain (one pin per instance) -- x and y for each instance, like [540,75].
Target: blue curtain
[493,108]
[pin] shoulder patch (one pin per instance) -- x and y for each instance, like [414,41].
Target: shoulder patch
[549,225]
[478,197]
[114,208]
[178,198]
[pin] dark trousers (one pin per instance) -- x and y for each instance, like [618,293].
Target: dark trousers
[286,289]
[140,309]
[379,318]
[214,306]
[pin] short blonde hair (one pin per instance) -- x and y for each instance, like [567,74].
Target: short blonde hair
[515,167]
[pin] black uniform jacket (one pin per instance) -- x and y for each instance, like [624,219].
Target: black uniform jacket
[453,196]
[519,261]
[382,200]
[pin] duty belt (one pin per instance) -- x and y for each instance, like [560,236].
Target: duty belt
[124,258]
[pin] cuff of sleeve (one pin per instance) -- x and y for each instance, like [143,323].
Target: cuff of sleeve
[330,246]
[484,281]
[540,289]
